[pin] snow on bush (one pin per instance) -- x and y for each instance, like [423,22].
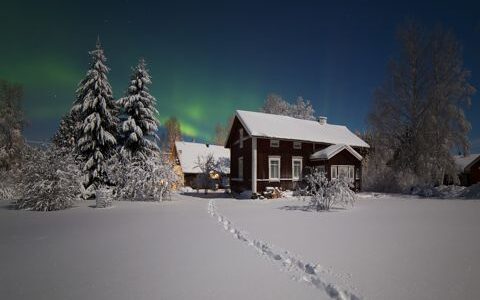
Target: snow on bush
[448,191]
[152,179]
[442,191]
[472,192]
[46,180]
[325,194]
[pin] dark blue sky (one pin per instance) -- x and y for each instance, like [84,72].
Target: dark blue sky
[208,59]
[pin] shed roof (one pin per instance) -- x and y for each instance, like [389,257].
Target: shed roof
[188,153]
[464,162]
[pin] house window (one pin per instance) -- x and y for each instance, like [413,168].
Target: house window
[274,168]
[296,168]
[297,145]
[345,172]
[274,143]
[333,172]
[240,134]
[351,173]
[240,167]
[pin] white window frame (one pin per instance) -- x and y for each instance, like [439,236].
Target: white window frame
[274,143]
[297,145]
[270,159]
[240,168]
[351,173]
[334,172]
[240,135]
[297,159]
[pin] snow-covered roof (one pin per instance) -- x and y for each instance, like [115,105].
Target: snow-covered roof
[188,153]
[463,163]
[283,127]
[331,151]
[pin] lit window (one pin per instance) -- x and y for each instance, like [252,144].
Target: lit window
[297,145]
[240,167]
[274,143]
[296,168]
[274,168]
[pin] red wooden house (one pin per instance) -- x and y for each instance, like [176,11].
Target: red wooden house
[269,150]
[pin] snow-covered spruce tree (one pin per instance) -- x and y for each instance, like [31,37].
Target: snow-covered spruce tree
[97,120]
[64,138]
[139,126]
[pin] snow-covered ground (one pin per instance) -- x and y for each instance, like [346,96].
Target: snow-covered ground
[170,250]
[386,247]
[197,247]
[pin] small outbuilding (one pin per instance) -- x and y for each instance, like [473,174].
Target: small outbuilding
[186,154]
[468,167]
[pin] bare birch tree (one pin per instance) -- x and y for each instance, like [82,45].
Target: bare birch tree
[417,116]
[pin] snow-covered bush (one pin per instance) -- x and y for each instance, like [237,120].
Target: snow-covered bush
[472,192]
[152,179]
[324,194]
[46,181]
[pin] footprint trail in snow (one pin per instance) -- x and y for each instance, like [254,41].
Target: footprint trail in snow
[297,269]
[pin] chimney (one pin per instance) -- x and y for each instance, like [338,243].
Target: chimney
[322,120]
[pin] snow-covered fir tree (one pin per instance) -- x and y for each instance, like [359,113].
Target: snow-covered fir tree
[97,120]
[64,138]
[139,127]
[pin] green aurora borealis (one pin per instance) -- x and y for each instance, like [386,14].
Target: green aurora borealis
[208,59]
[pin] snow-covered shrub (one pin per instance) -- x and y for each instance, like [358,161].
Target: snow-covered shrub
[324,194]
[472,192]
[152,179]
[46,180]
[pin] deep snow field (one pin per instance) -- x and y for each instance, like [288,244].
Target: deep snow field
[386,247]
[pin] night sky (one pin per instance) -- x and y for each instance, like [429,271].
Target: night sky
[208,59]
